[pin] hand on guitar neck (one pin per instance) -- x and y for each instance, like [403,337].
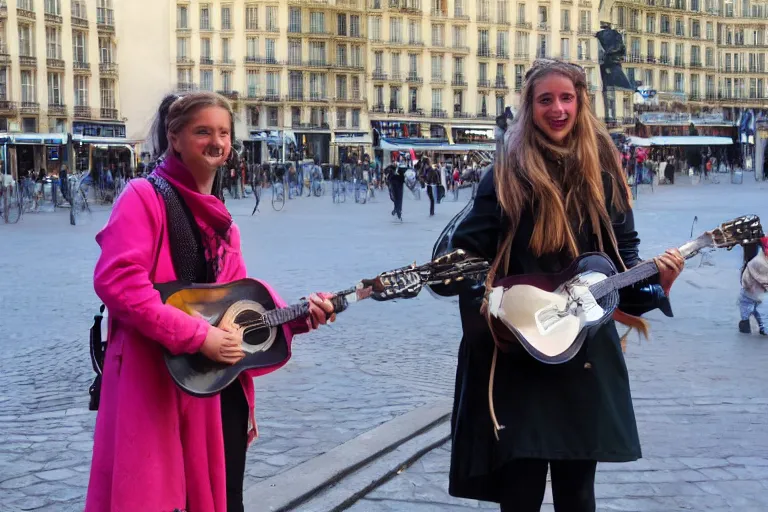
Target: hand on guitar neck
[670,265]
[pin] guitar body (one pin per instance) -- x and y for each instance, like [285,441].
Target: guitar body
[241,302]
[552,314]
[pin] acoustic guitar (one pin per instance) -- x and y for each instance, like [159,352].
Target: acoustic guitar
[552,314]
[247,306]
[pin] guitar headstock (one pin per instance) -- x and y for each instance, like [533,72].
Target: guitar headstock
[742,230]
[407,282]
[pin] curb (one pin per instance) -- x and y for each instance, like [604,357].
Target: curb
[289,489]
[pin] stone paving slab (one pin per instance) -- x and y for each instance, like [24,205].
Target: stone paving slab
[699,387]
[342,381]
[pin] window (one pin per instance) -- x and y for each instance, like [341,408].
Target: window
[501,11]
[225,47]
[107,49]
[355,88]
[26,42]
[226,81]
[205,48]
[565,48]
[651,50]
[378,62]
[272,116]
[356,118]
[226,17]
[413,99]
[317,52]
[273,83]
[253,83]
[585,21]
[270,50]
[341,55]
[3,83]
[521,13]
[53,7]
[80,46]
[437,67]
[542,48]
[396,30]
[318,85]
[295,116]
[206,80]
[650,23]
[565,19]
[521,44]
[710,56]
[458,67]
[183,77]
[25,4]
[438,35]
[695,29]
[584,50]
[414,32]
[107,93]
[295,84]
[341,87]
[79,9]
[648,79]
[679,84]
[54,89]
[341,24]
[357,57]
[81,91]
[294,20]
[251,17]
[272,19]
[294,51]
[354,27]
[482,71]
[679,27]
[458,8]
[104,13]
[378,93]
[205,17]
[182,16]
[252,47]
[500,74]
[710,32]
[53,42]
[341,118]
[395,65]
[519,76]
[413,64]
[375,28]
[317,22]
[437,99]
[483,45]
[665,27]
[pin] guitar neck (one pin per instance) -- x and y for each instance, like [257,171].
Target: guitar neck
[300,310]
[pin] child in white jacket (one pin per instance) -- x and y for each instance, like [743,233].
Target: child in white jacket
[754,285]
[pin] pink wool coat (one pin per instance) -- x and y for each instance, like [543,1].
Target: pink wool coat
[155,448]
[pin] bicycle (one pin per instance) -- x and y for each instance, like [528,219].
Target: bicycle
[317,187]
[11,204]
[361,191]
[80,211]
[339,192]
[278,195]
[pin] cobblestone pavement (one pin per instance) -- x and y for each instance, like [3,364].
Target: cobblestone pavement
[344,380]
[699,387]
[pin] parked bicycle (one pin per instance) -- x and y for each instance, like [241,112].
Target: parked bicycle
[10,200]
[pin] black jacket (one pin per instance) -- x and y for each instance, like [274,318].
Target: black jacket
[581,409]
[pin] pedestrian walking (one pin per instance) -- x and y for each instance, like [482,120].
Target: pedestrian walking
[433,180]
[396,183]
[156,447]
[754,285]
[558,192]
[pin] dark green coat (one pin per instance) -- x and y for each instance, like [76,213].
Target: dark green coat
[581,409]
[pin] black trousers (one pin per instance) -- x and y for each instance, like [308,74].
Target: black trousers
[234,422]
[431,196]
[397,194]
[524,482]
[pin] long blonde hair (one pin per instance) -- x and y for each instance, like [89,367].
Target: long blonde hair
[523,180]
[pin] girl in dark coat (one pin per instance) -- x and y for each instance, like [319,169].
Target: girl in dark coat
[557,191]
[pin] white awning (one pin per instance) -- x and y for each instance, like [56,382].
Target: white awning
[691,140]
[639,141]
[474,126]
[37,138]
[353,140]
[104,141]
[442,148]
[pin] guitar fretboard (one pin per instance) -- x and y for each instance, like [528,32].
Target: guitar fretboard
[287,314]
[636,274]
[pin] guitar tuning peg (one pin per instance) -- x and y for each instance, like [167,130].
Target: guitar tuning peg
[447,282]
[460,278]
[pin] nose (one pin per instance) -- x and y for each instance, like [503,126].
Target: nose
[557,105]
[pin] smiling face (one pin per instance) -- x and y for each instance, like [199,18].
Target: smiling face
[555,106]
[205,141]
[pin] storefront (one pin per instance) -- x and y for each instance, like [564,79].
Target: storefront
[351,145]
[407,134]
[268,145]
[102,145]
[313,144]
[25,154]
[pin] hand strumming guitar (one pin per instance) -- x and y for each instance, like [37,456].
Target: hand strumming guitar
[223,345]
[670,264]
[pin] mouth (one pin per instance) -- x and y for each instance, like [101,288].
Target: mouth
[214,152]
[558,124]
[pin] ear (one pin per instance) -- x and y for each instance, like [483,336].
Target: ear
[173,139]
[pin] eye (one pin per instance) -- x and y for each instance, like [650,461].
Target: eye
[202,131]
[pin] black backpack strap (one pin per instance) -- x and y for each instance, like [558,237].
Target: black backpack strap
[187,250]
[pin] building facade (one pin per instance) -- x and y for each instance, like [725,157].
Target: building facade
[703,54]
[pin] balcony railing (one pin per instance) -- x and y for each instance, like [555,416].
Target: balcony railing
[296,96]
[485,84]
[29,107]
[378,108]
[414,110]
[379,76]
[458,114]
[54,19]
[436,112]
[318,96]
[229,93]
[484,115]
[485,52]
[186,86]
[27,61]
[413,78]
[55,63]
[500,84]
[108,68]
[79,22]
[108,113]
[527,25]
[57,109]
[458,81]
[521,55]
[395,109]
[206,61]
[25,13]
[81,67]
[502,54]
[8,106]
[185,61]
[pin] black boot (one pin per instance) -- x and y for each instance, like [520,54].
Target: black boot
[762,331]
[744,327]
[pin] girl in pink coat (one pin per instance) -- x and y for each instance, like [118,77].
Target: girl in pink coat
[156,448]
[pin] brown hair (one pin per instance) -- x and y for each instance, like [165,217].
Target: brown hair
[176,110]
[522,179]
